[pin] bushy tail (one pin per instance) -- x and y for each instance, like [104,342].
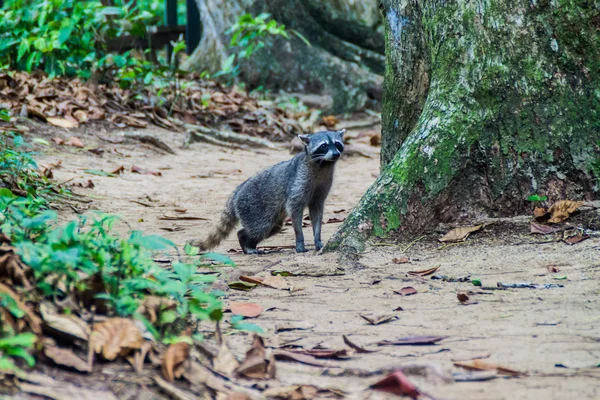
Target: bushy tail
[226,225]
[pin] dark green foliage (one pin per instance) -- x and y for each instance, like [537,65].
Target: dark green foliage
[68,37]
[86,259]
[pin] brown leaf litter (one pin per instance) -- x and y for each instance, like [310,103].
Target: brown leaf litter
[259,362]
[114,337]
[68,102]
[173,361]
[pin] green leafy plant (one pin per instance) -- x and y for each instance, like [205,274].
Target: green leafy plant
[535,197]
[65,37]
[115,273]
[13,345]
[248,35]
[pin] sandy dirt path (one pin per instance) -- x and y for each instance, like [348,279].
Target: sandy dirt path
[530,330]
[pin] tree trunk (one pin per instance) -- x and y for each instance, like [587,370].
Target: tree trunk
[344,62]
[510,100]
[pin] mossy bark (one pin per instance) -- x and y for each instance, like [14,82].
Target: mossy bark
[512,108]
[345,60]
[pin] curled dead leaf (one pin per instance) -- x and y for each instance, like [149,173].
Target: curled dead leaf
[397,383]
[64,326]
[173,362]
[357,348]
[75,142]
[33,321]
[12,268]
[259,363]
[424,272]
[225,362]
[116,336]
[58,140]
[460,234]
[401,260]
[119,170]
[481,365]
[561,210]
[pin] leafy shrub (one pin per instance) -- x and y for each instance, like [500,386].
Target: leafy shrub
[64,37]
[86,259]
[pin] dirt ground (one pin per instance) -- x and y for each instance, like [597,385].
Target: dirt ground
[530,330]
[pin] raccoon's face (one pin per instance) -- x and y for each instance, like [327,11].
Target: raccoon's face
[324,146]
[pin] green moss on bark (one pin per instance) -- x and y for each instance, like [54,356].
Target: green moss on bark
[513,108]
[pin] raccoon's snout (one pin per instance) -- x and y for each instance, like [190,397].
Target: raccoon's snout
[332,156]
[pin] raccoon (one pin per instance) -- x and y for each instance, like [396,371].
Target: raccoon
[263,202]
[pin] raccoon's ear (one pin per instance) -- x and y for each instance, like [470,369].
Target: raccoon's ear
[305,139]
[341,133]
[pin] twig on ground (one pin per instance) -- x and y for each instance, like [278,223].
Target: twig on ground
[201,132]
[148,139]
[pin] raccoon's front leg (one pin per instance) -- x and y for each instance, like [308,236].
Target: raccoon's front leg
[315,210]
[296,211]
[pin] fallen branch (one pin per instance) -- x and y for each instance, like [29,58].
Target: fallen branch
[201,132]
[148,139]
[194,137]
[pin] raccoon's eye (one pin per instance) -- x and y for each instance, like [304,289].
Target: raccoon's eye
[323,146]
[339,146]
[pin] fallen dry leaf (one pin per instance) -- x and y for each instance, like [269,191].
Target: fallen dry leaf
[301,358]
[88,185]
[301,392]
[424,272]
[12,268]
[335,220]
[462,297]
[406,291]
[114,337]
[357,348]
[247,309]
[173,361]
[553,268]
[412,341]
[325,353]
[75,142]
[401,260]
[61,122]
[66,358]
[481,365]
[225,362]
[460,234]
[58,140]
[293,326]
[561,210]
[119,170]
[541,229]
[579,237]
[33,321]
[397,383]
[65,326]
[137,170]
[378,320]
[259,363]
[276,282]
[539,212]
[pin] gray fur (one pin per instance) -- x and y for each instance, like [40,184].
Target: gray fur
[263,202]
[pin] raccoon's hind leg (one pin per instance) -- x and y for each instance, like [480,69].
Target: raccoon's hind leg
[248,244]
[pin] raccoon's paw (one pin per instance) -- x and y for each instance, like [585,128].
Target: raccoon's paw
[318,245]
[300,248]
